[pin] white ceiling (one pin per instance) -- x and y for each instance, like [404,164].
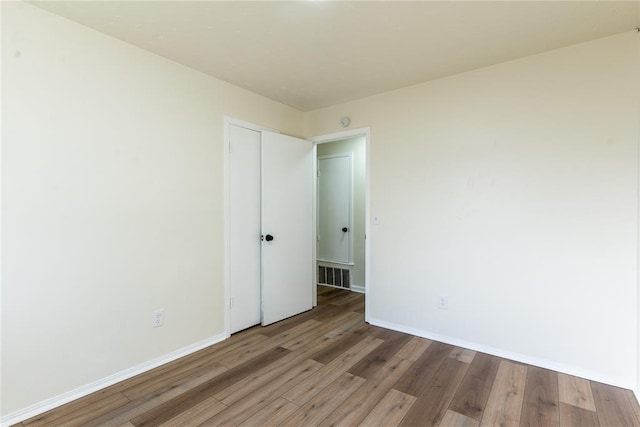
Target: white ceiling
[312,54]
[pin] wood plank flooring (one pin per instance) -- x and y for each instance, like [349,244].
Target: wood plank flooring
[327,367]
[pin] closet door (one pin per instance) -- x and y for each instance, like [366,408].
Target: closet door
[334,208]
[244,228]
[287,226]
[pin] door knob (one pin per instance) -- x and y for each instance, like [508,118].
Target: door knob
[268,237]
[345,229]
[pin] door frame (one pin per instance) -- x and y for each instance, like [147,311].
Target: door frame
[226,147]
[338,136]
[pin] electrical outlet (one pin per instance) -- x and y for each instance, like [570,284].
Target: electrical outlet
[443,302]
[158,317]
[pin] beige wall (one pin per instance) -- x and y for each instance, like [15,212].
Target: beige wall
[356,146]
[112,188]
[513,191]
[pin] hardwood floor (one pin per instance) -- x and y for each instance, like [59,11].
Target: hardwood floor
[326,367]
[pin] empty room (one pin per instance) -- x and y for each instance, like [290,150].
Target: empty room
[308,213]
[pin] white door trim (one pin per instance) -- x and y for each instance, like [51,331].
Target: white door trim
[366,132]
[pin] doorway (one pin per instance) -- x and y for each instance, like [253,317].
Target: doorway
[356,142]
[341,213]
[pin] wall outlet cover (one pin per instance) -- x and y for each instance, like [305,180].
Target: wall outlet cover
[158,318]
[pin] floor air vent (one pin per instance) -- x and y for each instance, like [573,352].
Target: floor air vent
[333,276]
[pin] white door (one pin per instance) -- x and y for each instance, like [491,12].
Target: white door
[287,226]
[244,227]
[334,208]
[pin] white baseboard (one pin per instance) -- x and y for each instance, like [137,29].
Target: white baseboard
[54,402]
[530,360]
[359,289]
